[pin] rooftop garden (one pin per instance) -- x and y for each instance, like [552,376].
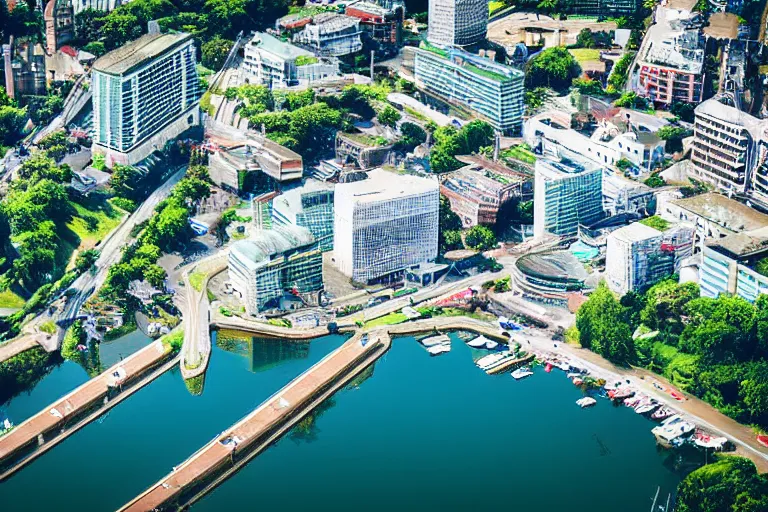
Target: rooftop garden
[485,72]
[520,152]
[656,222]
[367,140]
[306,60]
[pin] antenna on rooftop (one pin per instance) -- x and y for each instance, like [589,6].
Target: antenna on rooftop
[371,65]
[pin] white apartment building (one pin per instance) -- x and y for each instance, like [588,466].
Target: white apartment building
[271,62]
[332,34]
[145,93]
[631,255]
[385,224]
[457,22]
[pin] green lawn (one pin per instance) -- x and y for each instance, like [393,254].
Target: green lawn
[520,152]
[93,220]
[585,54]
[196,280]
[390,319]
[11,299]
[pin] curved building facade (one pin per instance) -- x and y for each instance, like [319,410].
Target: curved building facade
[549,277]
[457,22]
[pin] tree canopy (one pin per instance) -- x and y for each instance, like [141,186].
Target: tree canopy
[554,68]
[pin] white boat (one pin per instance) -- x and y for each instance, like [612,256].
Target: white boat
[706,441]
[438,339]
[673,430]
[505,358]
[565,366]
[573,375]
[522,373]
[645,408]
[488,360]
[483,342]
[587,401]
[438,349]
[5,426]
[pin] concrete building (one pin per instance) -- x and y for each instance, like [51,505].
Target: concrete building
[476,195]
[565,195]
[379,23]
[637,256]
[145,94]
[457,22]
[271,62]
[229,167]
[725,147]
[59,18]
[276,262]
[331,34]
[712,216]
[309,206]
[671,59]
[622,195]
[727,265]
[385,224]
[550,277]
[99,5]
[484,88]
[622,134]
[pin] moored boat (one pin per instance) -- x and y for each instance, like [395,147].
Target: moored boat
[647,407]
[5,426]
[482,342]
[578,381]
[621,394]
[663,413]
[439,349]
[489,360]
[587,401]
[522,373]
[673,431]
[763,440]
[703,440]
[439,339]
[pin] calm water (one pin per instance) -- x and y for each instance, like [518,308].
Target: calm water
[420,432]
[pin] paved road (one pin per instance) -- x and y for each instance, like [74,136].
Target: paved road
[111,249]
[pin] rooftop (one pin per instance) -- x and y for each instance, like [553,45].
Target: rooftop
[256,250]
[560,266]
[635,232]
[333,22]
[727,113]
[673,44]
[275,149]
[291,199]
[476,64]
[558,169]
[742,244]
[275,46]
[473,180]
[133,54]
[723,25]
[383,186]
[726,212]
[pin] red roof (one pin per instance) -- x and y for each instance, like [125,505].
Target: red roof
[68,50]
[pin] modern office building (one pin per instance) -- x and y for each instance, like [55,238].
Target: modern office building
[385,224]
[309,206]
[271,62]
[565,195]
[671,65]
[229,167]
[724,150]
[145,94]
[273,263]
[331,34]
[378,22]
[457,22]
[484,88]
[476,195]
[727,265]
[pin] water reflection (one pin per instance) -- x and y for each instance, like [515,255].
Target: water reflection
[262,353]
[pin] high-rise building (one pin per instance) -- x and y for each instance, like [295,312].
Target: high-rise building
[385,224]
[565,195]
[145,93]
[476,195]
[309,206]
[728,265]
[331,33]
[457,22]
[273,263]
[724,147]
[488,90]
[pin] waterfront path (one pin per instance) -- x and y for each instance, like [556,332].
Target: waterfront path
[264,425]
[47,427]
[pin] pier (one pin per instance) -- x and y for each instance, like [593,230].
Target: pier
[231,449]
[70,413]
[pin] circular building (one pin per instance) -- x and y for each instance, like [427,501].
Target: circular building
[550,277]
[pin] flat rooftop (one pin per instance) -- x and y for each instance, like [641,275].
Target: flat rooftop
[635,232]
[275,46]
[726,212]
[727,113]
[383,186]
[135,53]
[560,266]
[723,25]
[741,244]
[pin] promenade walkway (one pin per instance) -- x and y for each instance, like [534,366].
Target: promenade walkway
[47,427]
[265,424]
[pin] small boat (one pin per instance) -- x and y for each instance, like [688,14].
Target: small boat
[483,342]
[505,359]
[5,426]
[548,368]
[439,339]
[663,413]
[565,366]
[489,360]
[621,394]
[508,325]
[572,375]
[522,373]
[587,401]
[673,431]
[703,440]
[577,381]
[633,401]
[646,408]
[763,440]
[439,349]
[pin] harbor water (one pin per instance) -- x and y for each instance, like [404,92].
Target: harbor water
[415,432]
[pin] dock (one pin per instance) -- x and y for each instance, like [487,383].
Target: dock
[62,418]
[511,364]
[232,448]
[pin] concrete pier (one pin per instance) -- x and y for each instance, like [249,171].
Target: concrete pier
[60,419]
[233,447]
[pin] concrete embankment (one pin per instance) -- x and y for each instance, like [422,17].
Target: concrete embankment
[62,418]
[234,447]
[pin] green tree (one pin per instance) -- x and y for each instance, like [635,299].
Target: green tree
[586,39]
[475,135]
[389,116]
[719,330]
[630,99]
[665,303]
[118,29]
[298,99]
[12,122]
[155,275]
[88,24]
[411,136]
[602,328]
[215,52]
[97,48]
[554,68]
[731,484]
[86,259]
[588,86]
[536,98]
[448,222]
[480,238]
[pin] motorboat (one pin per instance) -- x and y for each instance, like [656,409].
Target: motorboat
[703,440]
[763,440]
[646,407]
[482,342]
[673,430]
[439,349]
[663,413]
[587,401]
[489,360]
[522,373]
[506,358]
[439,339]
[621,394]
[578,381]
[508,325]
[565,366]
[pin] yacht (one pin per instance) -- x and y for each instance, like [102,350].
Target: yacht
[673,430]
[587,401]
[522,373]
